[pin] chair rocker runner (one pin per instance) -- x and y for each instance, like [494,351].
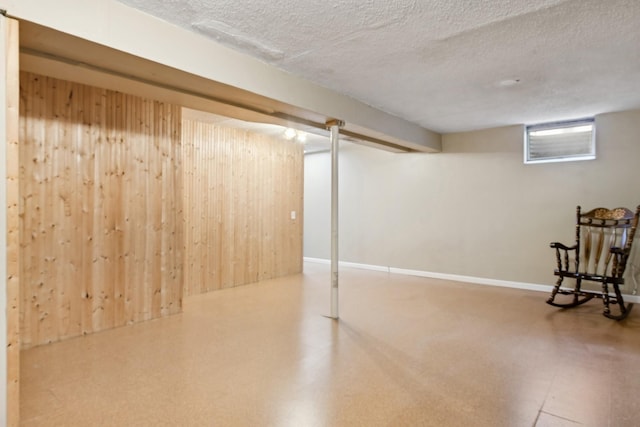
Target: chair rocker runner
[600,253]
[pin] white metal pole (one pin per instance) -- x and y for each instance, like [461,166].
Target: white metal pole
[334,126]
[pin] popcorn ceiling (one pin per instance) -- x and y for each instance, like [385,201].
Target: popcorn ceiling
[440,63]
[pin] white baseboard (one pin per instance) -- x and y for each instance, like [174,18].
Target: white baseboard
[349,264]
[475,280]
[454,277]
[316,260]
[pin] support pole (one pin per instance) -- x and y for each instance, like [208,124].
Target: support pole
[334,126]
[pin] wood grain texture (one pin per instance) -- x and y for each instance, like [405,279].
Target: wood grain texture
[13,221]
[240,190]
[101,194]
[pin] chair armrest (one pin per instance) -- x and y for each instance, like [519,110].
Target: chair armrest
[558,245]
[620,256]
[617,251]
[562,256]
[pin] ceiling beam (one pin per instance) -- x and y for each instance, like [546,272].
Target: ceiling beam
[117,42]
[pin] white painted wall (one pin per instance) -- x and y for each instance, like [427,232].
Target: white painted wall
[473,210]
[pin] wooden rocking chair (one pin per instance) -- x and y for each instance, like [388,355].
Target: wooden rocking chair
[603,245]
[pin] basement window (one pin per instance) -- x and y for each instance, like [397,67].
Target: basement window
[560,141]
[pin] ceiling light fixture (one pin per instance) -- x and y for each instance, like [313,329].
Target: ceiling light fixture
[298,135]
[290,133]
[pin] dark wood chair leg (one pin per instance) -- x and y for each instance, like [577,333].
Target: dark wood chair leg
[605,299]
[578,296]
[555,290]
[624,308]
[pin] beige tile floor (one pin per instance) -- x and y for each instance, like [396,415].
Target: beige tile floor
[406,351]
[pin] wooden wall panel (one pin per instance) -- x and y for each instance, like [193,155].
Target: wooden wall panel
[240,189]
[101,193]
[11,72]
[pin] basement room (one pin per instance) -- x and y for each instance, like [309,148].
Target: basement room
[235,213]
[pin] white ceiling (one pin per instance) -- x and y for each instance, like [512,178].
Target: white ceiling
[448,65]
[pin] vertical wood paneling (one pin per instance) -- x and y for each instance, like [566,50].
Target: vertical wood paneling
[14,277]
[240,189]
[100,188]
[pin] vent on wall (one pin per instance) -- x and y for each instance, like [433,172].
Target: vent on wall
[560,141]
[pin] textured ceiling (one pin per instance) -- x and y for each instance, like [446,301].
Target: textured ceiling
[448,65]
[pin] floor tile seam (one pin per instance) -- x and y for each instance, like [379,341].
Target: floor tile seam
[547,393]
[557,416]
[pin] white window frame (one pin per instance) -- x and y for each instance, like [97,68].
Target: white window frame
[554,129]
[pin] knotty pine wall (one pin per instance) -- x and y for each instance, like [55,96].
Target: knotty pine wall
[9,59]
[240,190]
[101,209]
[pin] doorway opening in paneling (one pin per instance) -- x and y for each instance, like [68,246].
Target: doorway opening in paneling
[243,209]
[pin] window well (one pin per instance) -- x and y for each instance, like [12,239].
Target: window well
[560,141]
